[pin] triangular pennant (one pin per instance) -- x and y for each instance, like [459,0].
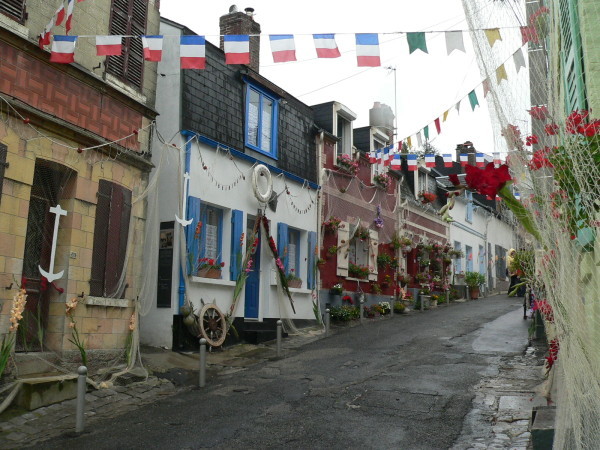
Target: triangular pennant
[486,87]
[501,74]
[409,142]
[454,41]
[458,107]
[416,41]
[419,139]
[426,131]
[445,115]
[438,127]
[473,99]
[519,60]
[493,35]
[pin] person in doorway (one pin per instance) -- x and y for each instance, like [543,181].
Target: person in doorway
[511,270]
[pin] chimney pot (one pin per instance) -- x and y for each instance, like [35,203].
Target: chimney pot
[249,11]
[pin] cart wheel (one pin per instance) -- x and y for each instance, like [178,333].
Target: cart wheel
[212,325]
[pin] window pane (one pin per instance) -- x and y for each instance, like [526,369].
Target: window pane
[253,105]
[212,235]
[267,116]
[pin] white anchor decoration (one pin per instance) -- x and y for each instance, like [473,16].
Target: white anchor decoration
[51,276]
[184,222]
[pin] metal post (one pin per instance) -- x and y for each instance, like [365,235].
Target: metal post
[279,337]
[202,380]
[362,309]
[327,321]
[81,388]
[392,303]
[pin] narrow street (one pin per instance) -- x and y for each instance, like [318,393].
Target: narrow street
[404,382]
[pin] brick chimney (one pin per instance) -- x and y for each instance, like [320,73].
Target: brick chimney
[236,22]
[468,148]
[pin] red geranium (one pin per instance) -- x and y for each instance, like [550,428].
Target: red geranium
[540,159]
[453,178]
[531,140]
[575,121]
[551,129]
[487,181]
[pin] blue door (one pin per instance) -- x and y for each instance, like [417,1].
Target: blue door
[253,280]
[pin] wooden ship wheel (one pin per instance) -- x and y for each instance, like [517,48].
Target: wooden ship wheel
[212,325]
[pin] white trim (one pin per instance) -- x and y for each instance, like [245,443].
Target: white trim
[109,302]
[344,111]
[214,281]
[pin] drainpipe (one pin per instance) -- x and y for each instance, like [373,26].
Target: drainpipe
[320,149]
[188,147]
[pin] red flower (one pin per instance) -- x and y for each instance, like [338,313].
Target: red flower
[591,129]
[223,264]
[575,121]
[487,181]
[453,178]
[531,140]
[428,197]
[540,159]
[539,112]
[551,129]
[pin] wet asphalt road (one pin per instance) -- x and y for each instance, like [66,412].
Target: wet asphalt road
[394,383]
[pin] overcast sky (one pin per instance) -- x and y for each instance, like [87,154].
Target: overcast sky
[426,84]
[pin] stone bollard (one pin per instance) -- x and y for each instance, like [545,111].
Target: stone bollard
[279,337]
[392,304]
[202,377]
[327,321]
[361,302]
[81,388]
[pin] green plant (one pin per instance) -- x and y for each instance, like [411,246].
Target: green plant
[384,307]
[376,288]
[291,276]
[474,279]
[357,271]
[8,340]
[421,277]
[332,224]
[399,307]
[336,289]
[384,260]
[382,180]
[75,338]
[332,250]
[362,233]
[344,313]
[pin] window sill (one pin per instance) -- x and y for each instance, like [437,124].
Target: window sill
[363,280]
[300,290]
[213,281]
[108,302]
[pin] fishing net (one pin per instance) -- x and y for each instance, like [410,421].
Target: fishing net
[552,148]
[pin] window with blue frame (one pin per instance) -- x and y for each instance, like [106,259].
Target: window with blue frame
[458,261]
[469,258]
[469,197]
[262,111]
[293,253]
[211,235]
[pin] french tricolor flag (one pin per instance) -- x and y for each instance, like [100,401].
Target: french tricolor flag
[326,46]
[192,52]
[429,160]
[479,161]
[412,162]
[378,156]
[367,50]
[464,159]
[63,49]
[447,159]
[283,47]
[44,38]
[518,196]
[109,45]
[237,48]
[70,4]
[152,47]
[372,157]
[497,159]
[396,162]
[59,15]
[386,156]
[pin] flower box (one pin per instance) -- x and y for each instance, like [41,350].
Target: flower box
[210,272]
[296,284]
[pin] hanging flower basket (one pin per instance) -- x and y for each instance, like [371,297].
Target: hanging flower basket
[346,164]
[382,180]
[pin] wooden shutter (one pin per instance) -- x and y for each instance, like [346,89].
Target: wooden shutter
[572,57]
[100,238]
[128,17]
[192,243]
[3,166]
[14,9]
[311,270]
[237,228]
[343,245]
[373,252]
[282,243]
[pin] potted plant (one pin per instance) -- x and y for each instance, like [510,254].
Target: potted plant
[427,197]
[347,164]
[384,260]
[382,180]
[362,233]
[336,289]
[293,280]
[399,308]
[209,268]
[376,288]
[332,224]
[357,271]
[473,280]
[404,279]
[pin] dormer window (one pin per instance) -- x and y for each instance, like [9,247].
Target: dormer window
[261,120]
[343,129]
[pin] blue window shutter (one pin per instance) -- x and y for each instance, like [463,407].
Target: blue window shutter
[237,227]
[193,212]
[282,242]
[311,270]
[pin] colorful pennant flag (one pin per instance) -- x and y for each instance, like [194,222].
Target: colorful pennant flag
[473,99]
[192,52]
[385,157]
[416,41]
[458,107]
[411,159]
[63,49]
[372,156]
[59,15]
[464,159]
[479,160]
[501,74]
[109,45]
[429,160]
[447,159]
[409,142]
[493,35]
[378,156]
[519,60]
[426,131]
[454,41]
[367,50]
[152,47]
[399,147]
[419,140]
[70,4]
[396,162]
[44,38]
[283,47]
[445,115]
[237,48]
[326,46]
[438,127]
[486,87]
[497,159]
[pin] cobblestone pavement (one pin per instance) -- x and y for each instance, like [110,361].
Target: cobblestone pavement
[503,403]
[499,419]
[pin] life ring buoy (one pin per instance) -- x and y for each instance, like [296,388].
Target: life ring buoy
[262,170]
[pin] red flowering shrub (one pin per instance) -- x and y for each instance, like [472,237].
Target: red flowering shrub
[531,140]
[540,159]
[551,129]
